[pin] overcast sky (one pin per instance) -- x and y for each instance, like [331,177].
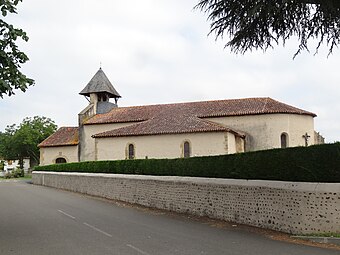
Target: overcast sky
[157,51]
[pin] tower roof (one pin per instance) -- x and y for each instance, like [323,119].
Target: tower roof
[99,83]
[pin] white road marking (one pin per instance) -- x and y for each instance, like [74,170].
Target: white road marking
[97,229]
[66,214]
[136,249]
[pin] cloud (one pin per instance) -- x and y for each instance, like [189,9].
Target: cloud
[156,52]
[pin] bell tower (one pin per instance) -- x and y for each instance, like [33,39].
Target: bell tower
[99,91]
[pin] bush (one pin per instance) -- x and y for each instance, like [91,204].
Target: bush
[8,175]
[18,173]
[318,163]
[15,173]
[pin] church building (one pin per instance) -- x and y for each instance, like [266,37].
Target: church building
[109,132]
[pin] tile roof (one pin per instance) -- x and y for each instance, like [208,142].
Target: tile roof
[169,124]
[187,117]
[64,136]
[204,109]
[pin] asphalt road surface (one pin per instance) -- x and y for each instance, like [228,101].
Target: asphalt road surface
[40,220]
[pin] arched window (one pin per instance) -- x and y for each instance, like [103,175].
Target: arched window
[284,140]
[131,151]
[186,149]
[60,160]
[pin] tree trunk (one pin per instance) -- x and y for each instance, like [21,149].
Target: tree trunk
[21,162]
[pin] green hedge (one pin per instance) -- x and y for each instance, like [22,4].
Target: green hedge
[319,163]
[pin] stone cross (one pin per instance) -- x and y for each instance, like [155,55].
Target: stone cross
[306,137]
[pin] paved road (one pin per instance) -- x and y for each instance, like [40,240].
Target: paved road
[40,220]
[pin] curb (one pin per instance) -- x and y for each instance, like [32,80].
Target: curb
[320,239]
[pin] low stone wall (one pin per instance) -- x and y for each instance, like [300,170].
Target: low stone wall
[298,208]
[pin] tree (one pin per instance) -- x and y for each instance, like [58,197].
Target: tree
[7,151]
[258,24]
[11,57]
[18,142]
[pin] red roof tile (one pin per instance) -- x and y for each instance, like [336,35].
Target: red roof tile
[64,136]
[186,117]
[218,108]
[169,124]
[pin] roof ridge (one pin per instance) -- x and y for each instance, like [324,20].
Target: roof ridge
[191,102]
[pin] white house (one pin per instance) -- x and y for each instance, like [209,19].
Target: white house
[11,165]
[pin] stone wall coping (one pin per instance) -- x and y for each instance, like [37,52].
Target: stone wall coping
[299,186]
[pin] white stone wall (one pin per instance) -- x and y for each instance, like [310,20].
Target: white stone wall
[88,153]
[264,131]
[48,155]
[298,208]
[166,146]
